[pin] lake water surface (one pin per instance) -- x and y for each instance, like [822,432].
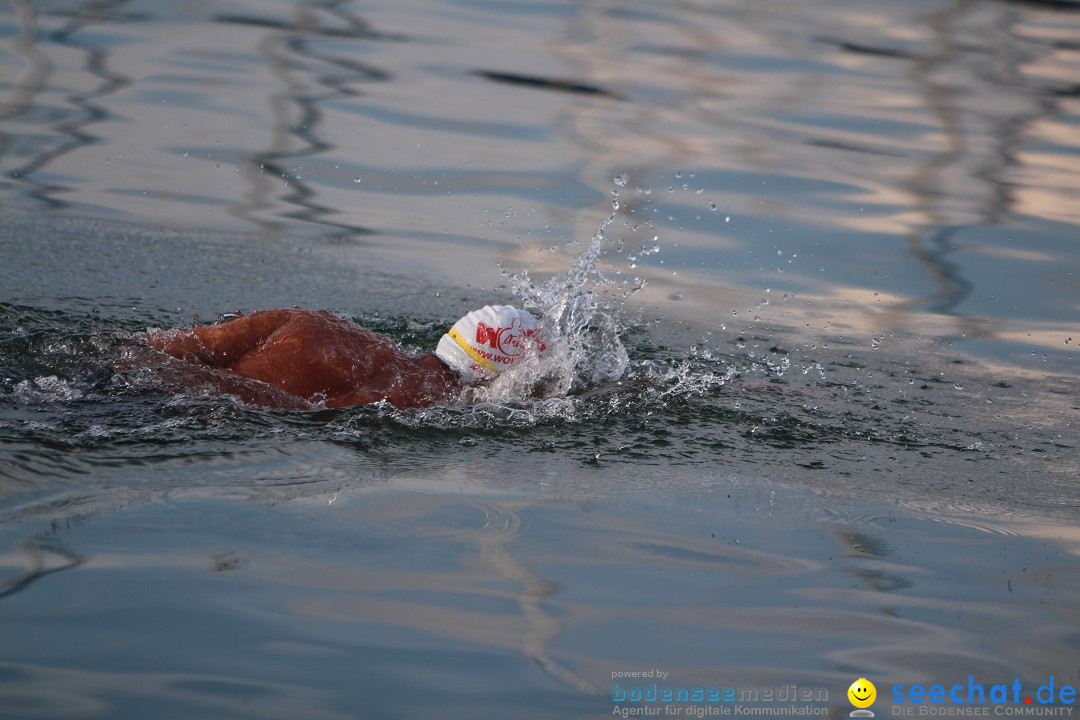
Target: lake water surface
[839,243]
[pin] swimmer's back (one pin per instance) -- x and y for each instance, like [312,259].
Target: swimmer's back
[315,355]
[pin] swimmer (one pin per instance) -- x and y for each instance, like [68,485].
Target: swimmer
[306,359]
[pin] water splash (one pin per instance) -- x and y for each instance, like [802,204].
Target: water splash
[587,367]
[581,311]
[47,389]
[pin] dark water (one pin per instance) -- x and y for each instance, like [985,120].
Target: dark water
[844,444]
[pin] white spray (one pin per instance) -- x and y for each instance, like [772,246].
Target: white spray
[580,312]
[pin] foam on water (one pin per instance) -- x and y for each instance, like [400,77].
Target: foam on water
[46,389]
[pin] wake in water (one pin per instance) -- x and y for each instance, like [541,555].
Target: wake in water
[583,310]
[583,314]
[609,393]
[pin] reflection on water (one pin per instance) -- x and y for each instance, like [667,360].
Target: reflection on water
[291,49]
[793,482]
[946,98]
[74,129]
[401,601]
[919,151]
[980,144]
[44,555]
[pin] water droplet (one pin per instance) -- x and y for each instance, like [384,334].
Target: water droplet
[1068,340]
[621,180]
[712,206]
[727,219]
[356,179]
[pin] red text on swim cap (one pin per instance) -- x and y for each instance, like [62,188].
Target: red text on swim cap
[505,339]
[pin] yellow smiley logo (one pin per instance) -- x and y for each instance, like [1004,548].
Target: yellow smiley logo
[862,693]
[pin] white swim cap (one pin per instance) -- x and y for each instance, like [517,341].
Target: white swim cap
[487,341]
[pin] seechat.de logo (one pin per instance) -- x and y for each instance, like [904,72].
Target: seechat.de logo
[862,694]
